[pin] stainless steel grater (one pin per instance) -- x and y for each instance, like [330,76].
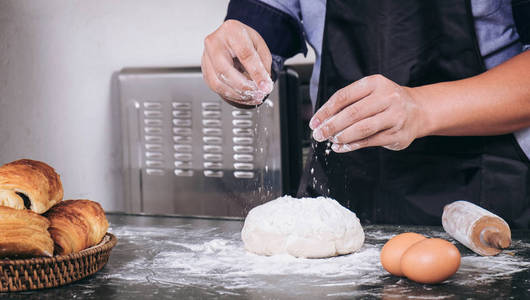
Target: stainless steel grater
[187,152]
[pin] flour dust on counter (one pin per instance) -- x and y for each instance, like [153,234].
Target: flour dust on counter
[222,260]
[213,258]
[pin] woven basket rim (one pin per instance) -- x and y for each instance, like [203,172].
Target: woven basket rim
[105,246]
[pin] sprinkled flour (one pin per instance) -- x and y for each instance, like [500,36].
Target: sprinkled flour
[207,258]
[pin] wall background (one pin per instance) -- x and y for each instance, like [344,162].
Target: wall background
[58,102]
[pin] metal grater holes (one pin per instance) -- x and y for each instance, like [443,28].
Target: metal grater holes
[181,114]
[243,142]
[212,139]
[152,121]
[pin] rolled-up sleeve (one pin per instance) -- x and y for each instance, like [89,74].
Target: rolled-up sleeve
[278,22]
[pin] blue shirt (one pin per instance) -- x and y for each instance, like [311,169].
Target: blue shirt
[494,26]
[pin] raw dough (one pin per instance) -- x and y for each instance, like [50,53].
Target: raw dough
[307,227]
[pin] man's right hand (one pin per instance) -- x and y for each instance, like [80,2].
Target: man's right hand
[236,63]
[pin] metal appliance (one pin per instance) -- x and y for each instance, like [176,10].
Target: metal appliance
[187,152]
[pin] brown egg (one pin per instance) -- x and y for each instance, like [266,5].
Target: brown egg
[430,261]
[394,249]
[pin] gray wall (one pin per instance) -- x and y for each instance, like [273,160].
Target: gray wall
[58,100]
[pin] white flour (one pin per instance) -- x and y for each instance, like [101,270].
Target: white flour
[225,262]
[211,258]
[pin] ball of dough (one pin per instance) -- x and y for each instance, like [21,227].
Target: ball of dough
[307,227]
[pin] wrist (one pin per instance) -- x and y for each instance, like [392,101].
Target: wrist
[425,118]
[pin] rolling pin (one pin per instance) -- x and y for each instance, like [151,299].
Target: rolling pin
[476,228]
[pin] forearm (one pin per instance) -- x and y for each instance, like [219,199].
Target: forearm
[494,102]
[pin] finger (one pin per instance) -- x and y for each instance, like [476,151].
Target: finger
[243,47]
[262,49]
[379,139]
[222,61]
[367,107]
[221,88]
[365,128]
[223,66]
[342,98]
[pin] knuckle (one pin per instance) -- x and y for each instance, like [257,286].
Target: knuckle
[229,24]
[330,112]
[353,111]
[341,99]
[365,130]
[328,129]
[245,53]
[338,139]
[394,96]
[392,131]
[325,112]
[362,82]
[331,128]
[373,77]
[403,105]
[208,40]
[378,79]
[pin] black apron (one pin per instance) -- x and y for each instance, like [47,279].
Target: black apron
[412,42]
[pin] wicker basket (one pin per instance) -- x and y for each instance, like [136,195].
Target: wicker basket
[47,272]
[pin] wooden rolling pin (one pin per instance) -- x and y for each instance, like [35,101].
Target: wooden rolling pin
[476,228]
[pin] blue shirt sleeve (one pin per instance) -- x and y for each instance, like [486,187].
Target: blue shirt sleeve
[291,7]
[278,23]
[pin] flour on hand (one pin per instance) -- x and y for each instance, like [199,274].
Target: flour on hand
[307,227]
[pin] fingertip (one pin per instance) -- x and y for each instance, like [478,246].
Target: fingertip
[342,148]
[318,135]
[255,95]
[266,86]
[314,123]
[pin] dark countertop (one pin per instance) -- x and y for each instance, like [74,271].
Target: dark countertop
[189,258]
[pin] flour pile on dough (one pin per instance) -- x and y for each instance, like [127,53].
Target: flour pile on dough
[307,227]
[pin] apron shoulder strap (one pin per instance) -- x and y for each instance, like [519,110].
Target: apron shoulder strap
[521,16]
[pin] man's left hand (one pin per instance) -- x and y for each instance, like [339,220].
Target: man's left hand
[373,111]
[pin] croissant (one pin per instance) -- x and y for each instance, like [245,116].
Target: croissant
[76,225]
[29,184]
[24,233]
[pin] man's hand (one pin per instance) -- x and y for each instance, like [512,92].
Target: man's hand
[373,111]
[236,63]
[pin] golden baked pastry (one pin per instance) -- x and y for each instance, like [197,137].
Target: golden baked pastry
[29,184]
[76,225]
[24,233]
